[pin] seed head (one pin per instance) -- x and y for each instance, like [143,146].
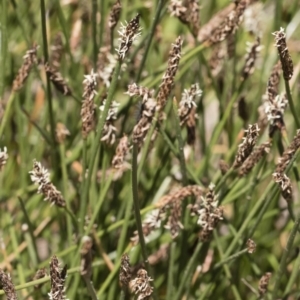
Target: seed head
[7,286]
[61,132]
[285,185]
[121,152]
[246,147]
[168,78]
[3,157]
[263,283]
[284,55]
[88,106]
[57,51]
[40,176]
[251,246]
[30,58]
[125,271]
[141,285]
[128,34]
[86,256]
[58,278]
[114,15]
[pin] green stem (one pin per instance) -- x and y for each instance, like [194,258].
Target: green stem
[102,25]
[137,214]
[90,287]
[149,40]
[291,103]
[188,271]
[3,47]
[170,285]
[49,98]
[228,259]
[101,122]
[94,32]
[284,257]
[7,112]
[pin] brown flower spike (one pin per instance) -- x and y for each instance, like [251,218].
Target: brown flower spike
[121,152]
[7,286]
[284,55]
[58,278]
[168,78]
[125,271]
[128,34]
[246,147]
[87,109]
[39,175]
[141,285]
[30,58]
[114,15]
[263,283]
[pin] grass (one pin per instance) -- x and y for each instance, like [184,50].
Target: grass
[111,205]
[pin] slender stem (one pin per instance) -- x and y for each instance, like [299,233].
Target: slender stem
[83,202]
[291,103]
[137,214]
[180,143]
[293,276]
[284,257]
[188,271]
[94,31]
[7,112]
[100,126]
[102,11]
[228,259]
[3,45]
[149,40]
[170,287]
[49,98]
[90,287]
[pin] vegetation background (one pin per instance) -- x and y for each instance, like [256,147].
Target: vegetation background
[99,220]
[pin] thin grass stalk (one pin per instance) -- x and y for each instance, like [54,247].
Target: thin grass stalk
[180,143]
[136,204]
[90,287]
[291,103]
[83,202]
[94,32]
[7,112]
[229,259]
[188,271]
[3,47]
[170,283]
[293,277]
[63,166]
[102,22]
[286,252]
[30,230]
[150,37]
[102,119]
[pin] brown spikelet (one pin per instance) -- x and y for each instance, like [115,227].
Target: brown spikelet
[140,285]
[251,246]
[273,82]
[61,132]
[87,109]
[254,158]
[114,15]
[288,154]
[30,58]
[173,223]
[246,147]
[127,36]
[41,273]
[223,166]
[57,277]
[146,114]
[106,64]
[251,57]
[109,130]
[263,283]
[56,51]
[285,185]
[229,25]
[168,78]
[7,286]
[284,55]
[121,152]
[178,10]
[57,80]
[125,271]
[3,157]
[40,176]
[86,257]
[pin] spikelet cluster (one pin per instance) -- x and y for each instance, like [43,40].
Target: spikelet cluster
[246,147]
[30,58]
[88,106]
[58,278]
[61,132]
[128,35]
[109,130]
[114,15]
[125,271]
[121,153]
[3,157]
[141,285]
[168,78]
[284,55]
[58,81]
[7,286]
[40,176]
[263,283]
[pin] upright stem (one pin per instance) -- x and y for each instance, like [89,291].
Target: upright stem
[94,30]
[291,103]
[137,214]
[49,98]
[284,257]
